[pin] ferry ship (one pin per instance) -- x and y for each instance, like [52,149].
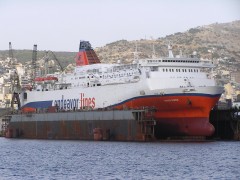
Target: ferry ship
[178,89]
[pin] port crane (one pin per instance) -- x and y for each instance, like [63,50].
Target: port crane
[46,58]
[14,78]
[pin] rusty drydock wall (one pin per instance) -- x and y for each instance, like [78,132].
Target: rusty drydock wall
[110,125]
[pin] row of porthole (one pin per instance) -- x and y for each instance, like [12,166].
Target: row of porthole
[179,70]
[181,77]
[105,76]
[116,75]
[184,61]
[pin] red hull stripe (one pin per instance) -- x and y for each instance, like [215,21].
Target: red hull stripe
[168,95]
[173,106]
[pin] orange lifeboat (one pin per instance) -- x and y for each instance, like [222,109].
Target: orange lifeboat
[50,79]
[28,110]
[39,80]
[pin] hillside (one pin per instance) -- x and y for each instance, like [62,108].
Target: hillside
[26,55]
[222,39]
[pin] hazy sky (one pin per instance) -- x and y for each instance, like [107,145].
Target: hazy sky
[59,25]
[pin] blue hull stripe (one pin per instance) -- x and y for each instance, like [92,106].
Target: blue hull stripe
[38,104]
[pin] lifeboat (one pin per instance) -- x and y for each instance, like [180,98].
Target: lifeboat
[39,80]
[28,110]
[50,79]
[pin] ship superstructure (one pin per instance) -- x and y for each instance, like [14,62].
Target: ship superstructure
[177,88]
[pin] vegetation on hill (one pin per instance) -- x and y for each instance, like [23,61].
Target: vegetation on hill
[215,40]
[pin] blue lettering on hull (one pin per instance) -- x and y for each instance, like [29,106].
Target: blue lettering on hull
[67,104]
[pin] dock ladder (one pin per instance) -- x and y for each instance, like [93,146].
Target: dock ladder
[145,119]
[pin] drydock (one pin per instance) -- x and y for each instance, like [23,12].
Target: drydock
[115,125]
[111,125]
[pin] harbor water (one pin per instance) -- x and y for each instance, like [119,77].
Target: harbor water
[57,159]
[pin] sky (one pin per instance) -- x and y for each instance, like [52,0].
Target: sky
[59,25]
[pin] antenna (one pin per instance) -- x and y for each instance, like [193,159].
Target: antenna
[135,53]
[170,53]
[181,54]
[10,54]
[153,48]
[153,53]
[34,64]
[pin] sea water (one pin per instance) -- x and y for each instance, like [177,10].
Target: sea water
[57,159]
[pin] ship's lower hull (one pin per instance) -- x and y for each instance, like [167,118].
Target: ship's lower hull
[184,127]
[186,115]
